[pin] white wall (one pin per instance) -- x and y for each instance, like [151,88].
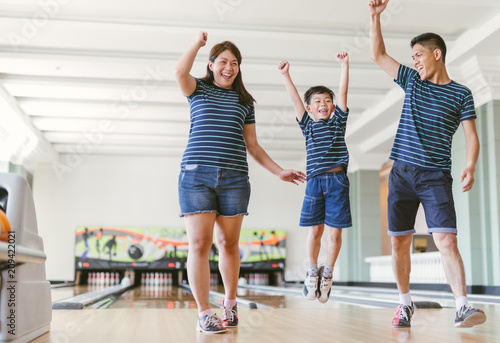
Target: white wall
[142,191]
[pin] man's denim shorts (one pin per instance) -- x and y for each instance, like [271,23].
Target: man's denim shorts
[209,189]
[327,201]
[410,186]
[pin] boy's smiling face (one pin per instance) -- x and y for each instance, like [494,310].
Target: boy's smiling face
[321,106]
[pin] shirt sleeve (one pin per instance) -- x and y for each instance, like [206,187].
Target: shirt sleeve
[198,89]
[304,123]
[404,75]
[468,109]
[250,118]
[339,116]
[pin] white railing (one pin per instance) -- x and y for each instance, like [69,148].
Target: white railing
[425,268]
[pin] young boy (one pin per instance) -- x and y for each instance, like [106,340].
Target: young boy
[326,201]
[434,107]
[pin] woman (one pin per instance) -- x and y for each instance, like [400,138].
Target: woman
[213,184]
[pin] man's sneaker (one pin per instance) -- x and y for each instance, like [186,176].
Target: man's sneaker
[325,287]
[230,316]
[468,316]
[310,289]
[210,323]
[402,319]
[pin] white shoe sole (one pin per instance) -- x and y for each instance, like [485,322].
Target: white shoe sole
[198,328]
[473,319]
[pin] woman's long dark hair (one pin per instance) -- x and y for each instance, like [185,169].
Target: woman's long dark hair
[244,97]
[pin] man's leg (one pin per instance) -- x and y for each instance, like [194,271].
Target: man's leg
[453,266]
[401,266]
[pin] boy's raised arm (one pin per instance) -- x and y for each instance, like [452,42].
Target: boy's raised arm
[343,59]
[377,46]
[298,105]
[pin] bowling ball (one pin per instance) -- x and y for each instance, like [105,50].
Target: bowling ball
[5,226]
[135,251]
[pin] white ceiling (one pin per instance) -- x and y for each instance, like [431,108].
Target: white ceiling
[95,76]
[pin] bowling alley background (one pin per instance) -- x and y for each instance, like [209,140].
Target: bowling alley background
[161,249]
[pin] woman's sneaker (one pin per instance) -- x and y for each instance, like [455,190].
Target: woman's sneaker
[210,323]
[230,316]
[402,319]
[310,289]
[468,316]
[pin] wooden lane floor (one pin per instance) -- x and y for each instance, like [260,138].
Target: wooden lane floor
[351,324]
[60,293]
[164,297]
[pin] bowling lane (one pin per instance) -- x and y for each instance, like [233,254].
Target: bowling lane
[165,297]
[59,292]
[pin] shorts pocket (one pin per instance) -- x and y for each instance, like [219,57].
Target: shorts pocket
[342,179]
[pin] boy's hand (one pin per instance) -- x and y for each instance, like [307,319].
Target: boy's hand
[343,57]
[376,7]
[201,38]
[283,67]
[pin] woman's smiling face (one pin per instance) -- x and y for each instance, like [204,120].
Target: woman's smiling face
[225,68]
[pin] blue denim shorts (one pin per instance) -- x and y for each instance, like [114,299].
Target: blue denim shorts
[327,201]
[410,186]
[208,189]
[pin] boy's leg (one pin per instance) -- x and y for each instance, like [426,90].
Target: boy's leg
[314,243]
[453,266]
[333,250]
[334,244]
[310,289]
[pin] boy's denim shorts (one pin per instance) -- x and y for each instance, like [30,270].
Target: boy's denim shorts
[209,189]
[410,186]
[327,201]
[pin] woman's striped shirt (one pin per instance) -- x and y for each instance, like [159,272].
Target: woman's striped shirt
[216,132]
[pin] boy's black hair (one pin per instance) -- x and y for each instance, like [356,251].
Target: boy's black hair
[317,90]
[430,41]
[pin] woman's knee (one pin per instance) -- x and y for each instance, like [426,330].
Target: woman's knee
[228,245]
[200,246]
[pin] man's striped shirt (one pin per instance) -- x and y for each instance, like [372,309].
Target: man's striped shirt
[431,115]
[216,133]
[325,144]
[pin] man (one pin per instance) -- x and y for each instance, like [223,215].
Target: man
[434,107]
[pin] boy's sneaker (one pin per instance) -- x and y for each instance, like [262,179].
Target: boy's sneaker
[310,289]
[325,287]
[210,323]
[402,319]
[230,316]
[468,316]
